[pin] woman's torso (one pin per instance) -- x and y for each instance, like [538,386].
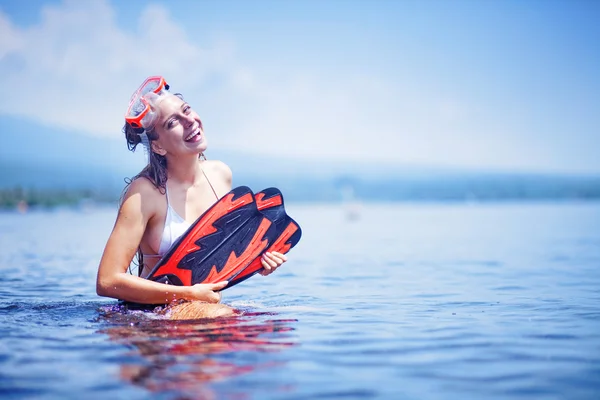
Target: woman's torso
[179,207]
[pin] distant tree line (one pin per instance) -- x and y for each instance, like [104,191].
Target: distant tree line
[11,198]
[311,189]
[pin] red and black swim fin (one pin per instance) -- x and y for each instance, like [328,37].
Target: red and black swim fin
[222,241]
[227,241]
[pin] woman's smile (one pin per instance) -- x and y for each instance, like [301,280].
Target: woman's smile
[195,136]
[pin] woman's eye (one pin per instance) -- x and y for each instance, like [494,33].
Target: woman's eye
[187,109]
[171,123]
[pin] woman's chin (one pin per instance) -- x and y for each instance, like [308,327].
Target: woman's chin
[198,147]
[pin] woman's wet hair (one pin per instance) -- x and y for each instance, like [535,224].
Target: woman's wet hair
[155,171]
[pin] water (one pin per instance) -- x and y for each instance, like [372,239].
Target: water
[410,301]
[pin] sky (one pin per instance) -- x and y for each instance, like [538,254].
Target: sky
[508,85]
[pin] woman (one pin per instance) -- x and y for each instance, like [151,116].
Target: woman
[162,201]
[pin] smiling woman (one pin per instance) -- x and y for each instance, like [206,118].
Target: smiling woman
[161,203]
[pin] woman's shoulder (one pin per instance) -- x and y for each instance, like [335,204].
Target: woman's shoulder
[143,190]
[143,186]
[218,167]
[141,197]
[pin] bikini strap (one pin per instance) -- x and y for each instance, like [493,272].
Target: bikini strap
[208,180]
[167,195]
[210,184]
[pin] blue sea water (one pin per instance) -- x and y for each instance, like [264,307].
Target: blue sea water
[393,301]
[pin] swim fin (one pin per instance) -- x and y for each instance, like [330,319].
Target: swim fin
[225,240]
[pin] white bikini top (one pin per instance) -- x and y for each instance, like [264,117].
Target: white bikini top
[175,226]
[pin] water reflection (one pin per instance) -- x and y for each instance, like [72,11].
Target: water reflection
[183,356]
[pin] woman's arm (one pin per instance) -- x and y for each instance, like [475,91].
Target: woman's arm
[113,280]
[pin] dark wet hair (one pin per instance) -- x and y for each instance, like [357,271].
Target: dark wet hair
[155,171]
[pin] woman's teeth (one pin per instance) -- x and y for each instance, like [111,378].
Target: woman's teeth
[191,135]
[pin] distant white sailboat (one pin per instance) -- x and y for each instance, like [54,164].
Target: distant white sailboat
[350,204]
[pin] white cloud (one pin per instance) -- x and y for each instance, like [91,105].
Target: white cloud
[76,74]
[77,68]
[9,37]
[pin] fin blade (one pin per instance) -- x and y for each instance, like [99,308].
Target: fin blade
[283,244]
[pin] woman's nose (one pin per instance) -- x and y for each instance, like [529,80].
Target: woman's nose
[189,120]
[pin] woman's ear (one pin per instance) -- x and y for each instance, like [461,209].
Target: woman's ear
[157,149]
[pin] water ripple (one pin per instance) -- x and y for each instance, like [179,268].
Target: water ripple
[460,302]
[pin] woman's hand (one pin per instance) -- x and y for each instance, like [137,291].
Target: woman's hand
[271,261]
[207,292]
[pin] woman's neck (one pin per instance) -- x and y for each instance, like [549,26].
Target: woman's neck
[186,170]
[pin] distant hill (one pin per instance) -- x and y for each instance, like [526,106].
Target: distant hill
[108,184]
[27,144]
[44,158]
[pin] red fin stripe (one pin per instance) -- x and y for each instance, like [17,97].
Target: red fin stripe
[234,263]
[268,203]
[279,246]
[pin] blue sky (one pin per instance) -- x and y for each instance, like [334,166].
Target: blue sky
[511,85]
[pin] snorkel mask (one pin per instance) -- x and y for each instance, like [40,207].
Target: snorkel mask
[142,112]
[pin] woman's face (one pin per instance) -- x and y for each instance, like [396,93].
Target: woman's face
[179,128]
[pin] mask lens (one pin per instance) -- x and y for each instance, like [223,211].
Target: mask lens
[139,113]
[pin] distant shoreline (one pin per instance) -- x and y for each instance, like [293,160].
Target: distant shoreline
[20,199]
[24,199]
